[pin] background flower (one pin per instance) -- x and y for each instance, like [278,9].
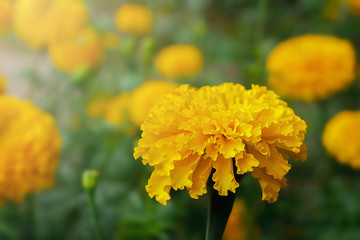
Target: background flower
[190,132]
[117,108]
[235,227]
[144,97]
[2,84]
[6,15]
[341,138]
[27,164]
[311,67]
[179,60]
[134,19]
[43,22]
[96,107]
[85,50]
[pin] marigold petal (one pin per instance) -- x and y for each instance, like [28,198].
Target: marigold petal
[270,186]
[275,164]
[200,178]
[230,147]
[245,162]
[159,186]
[183,170]
[224,176]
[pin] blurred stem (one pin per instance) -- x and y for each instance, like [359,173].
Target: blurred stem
[90,194]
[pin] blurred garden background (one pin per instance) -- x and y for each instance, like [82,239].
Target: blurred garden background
[97,67]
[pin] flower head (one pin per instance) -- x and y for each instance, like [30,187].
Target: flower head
[134,19]
[2,84]
[117,108]
[192,131]
[43,22]
[311,67]
[341,138]
[179,60]
[110,40]
[6,15]
[83,51]
[144,97]
[27,163]
[96,107]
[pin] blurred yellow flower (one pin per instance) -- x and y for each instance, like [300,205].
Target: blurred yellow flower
[341,138]
[83,51]
[311,67]
[117,109]
[29,148]
[96,108]
[192,131]
[110,40]
[134,19]
[6,15]
[43,22]
[179,60]
[144,97]
[2,84]
[235,229]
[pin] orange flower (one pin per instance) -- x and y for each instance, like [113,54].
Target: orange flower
[27,163]
[179,60]
[134,18]
[192,131]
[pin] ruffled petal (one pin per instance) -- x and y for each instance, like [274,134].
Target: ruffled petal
[275,164]
[183,170]
[224,176]
[270,187]
[230,147]
[159,186]
[200,178]
[245,162]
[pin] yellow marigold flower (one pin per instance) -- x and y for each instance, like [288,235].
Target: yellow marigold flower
[144,97]
[192,131]
[110,40]
[83,51]
[179,60]
[2,84]
[6,15]
[341,138]
[134,19]
[235,226]
[43,22]
[96,108]
[311,67]
[117,108]
[29,148]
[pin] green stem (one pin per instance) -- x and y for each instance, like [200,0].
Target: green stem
[90,194]
[219,212]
